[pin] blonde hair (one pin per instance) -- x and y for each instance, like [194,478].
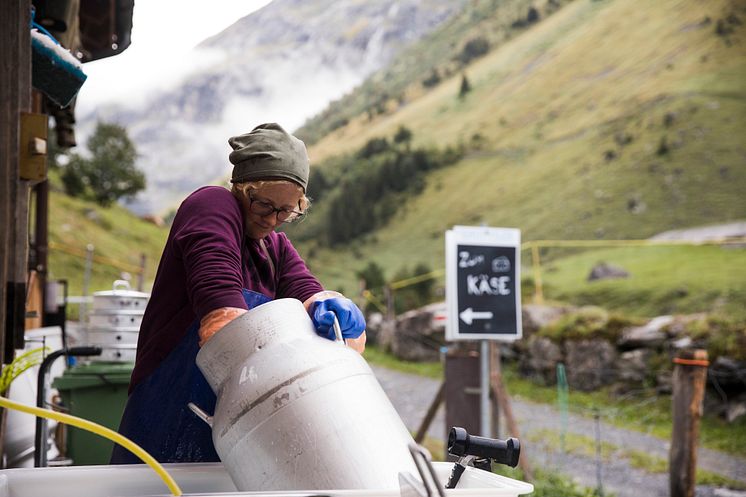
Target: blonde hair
[245,188]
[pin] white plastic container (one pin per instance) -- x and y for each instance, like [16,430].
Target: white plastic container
[115,319]
[114,322]
[21,428]
[202,479]
[120,298]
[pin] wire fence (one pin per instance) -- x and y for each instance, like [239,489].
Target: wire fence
[535,247]
[99,259]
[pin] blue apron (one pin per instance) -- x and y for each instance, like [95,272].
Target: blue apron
[156,416]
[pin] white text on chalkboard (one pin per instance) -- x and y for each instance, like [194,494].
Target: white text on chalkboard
[465,259]
[483,284]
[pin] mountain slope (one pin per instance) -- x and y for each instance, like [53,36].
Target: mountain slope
[608,119]
[282,63]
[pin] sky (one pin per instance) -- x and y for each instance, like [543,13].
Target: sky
[163,33]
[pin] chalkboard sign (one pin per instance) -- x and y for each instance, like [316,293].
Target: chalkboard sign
[483,284]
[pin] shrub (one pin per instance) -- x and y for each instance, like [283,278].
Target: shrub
[723,336]
[432,80]
[473,49]
[587,322]
[374,146]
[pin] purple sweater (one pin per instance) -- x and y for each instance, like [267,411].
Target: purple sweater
[205,265]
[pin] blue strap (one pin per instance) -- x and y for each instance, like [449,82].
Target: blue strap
[42,29]
[156,416]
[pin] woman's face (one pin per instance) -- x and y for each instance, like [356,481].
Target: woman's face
[283,196]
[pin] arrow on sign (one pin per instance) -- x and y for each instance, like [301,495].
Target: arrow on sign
[468,316]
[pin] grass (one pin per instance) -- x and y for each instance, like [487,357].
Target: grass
[546,483]
[644,411]
[547,105]
[586,446]
[117,236]
[663,280]
[716,480]
[550,483]
[375,355]
[572,443]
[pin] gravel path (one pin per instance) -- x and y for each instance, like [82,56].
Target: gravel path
[412,395]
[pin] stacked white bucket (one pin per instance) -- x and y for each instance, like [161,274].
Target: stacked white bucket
[114,322]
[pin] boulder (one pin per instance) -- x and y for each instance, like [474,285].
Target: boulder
[736,408]
[632,366]
[416,335]
[664,381]
[679,325]
[373,324]
[535,316]
[651,334]
[681,343]
[590,364]
[604,271]
[541,359]
[385,335]
[730,374]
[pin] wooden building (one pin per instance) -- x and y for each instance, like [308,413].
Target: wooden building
[91,30]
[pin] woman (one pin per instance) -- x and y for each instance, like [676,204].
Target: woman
[222,258]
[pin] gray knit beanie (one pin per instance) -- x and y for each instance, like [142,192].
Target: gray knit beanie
[268,152]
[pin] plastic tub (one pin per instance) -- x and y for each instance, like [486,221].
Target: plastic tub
[202,479]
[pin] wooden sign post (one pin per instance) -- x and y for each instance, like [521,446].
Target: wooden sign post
[689,377]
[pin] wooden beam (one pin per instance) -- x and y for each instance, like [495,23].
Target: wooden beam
[430,415]
[15,97]
[503,398]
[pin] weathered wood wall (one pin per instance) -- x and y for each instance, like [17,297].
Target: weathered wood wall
[15,97]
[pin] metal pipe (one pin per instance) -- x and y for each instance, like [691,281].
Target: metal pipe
[86,280]
[40,446]
[484,393]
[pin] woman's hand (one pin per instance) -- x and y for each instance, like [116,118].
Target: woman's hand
[324,306]
[215,320]
[350,317]
[357,344]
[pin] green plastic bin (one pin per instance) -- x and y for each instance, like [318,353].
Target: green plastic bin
[96,392]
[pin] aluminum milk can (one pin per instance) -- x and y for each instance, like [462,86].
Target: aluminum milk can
[296,411]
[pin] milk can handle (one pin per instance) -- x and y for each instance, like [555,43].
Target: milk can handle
[121,285]
[338,331]
[422,461]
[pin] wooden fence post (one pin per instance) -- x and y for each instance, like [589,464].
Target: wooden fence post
[689,376]
[428,419]
[141,274]
[503,398]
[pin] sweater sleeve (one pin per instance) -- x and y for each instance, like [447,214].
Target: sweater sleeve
[208,233]
[294,279]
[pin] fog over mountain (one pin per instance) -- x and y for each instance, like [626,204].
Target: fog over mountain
[282,63]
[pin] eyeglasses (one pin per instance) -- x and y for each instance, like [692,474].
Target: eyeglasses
[264,208]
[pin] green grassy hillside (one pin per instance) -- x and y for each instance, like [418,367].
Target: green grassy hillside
[662,280]
[608,119]
[118,237]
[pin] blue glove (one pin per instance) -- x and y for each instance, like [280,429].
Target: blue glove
[351,320]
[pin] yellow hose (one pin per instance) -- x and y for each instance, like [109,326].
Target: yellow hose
[99,430]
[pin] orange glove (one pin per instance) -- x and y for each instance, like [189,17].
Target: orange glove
[215,320]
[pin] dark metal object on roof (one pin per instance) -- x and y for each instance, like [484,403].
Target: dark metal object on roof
[105,27]
[90,29]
